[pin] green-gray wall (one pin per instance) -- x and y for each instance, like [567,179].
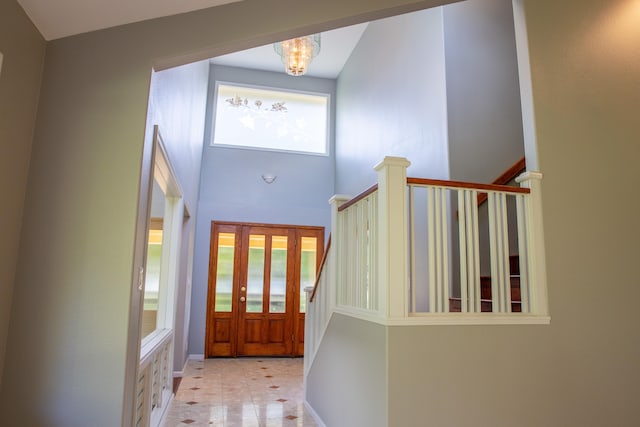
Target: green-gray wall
[582,369]
[65,359]
[23,49]
[72,343]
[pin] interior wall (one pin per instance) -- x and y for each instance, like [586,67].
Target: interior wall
[347,383]
[232,188]
[22,48]
[392,101]
[483,107]
[483,92]
[177,103]
[582,368]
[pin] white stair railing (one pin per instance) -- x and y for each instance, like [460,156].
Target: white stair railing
[395,260]
[438,218]
[319,307]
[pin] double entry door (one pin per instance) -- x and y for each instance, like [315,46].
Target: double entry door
[257,274]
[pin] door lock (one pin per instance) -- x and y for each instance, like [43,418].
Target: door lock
[243,289]
[242,299]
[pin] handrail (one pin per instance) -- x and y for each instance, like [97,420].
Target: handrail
[359,197]
[516,169]
[319,273]
[471,185]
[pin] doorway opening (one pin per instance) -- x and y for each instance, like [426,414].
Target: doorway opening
[257,274]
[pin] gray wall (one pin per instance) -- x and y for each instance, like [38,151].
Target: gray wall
[74,363]
[483,94]
[347,384]
[23,49]
[450,104]
[177,104]
[66,366]
[232,189]
[392,101]
[483,106]
[582,370]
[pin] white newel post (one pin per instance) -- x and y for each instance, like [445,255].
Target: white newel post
[337,237]
[392,237]
[535,239]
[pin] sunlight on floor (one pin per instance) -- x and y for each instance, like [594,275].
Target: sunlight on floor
[247,392]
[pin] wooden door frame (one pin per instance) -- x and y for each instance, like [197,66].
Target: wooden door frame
[298,231]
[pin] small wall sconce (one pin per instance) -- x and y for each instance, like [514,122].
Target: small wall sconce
[268,177]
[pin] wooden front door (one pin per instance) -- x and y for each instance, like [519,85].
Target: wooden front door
[257,274]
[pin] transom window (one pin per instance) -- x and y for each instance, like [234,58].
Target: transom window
[270,119]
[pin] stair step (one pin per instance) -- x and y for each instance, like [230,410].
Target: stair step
[486,303]
[514,265]
[486,306]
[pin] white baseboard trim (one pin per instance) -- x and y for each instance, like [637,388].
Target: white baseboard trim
[195,357]
[180,374]
[314,414]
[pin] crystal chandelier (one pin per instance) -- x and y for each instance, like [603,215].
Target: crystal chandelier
[298,53]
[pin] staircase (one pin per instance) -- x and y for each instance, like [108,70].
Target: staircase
[485,290]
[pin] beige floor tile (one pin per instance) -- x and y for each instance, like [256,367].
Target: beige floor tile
[245,392]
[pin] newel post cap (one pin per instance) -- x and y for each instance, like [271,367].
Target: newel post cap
[393,161]
[528,176]
[339,199]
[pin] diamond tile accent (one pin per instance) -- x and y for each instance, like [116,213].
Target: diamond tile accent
[231,392]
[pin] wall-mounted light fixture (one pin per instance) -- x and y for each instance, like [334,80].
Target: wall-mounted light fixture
[268,177]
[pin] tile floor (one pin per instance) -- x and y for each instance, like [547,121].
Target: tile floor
[244,392]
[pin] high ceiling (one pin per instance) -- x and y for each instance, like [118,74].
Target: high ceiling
[61,18]
[335,48]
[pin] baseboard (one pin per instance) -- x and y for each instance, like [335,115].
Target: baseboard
[314,414]
[195,357]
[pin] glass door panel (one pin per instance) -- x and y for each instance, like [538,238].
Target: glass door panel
[308,262]
[255,273]
[256,304]
[278,282]
[224,273]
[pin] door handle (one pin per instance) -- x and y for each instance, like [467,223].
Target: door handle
[243,289]
[242,299]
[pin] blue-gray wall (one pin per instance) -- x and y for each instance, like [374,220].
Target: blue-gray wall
[177,103]
[483,106]
[483,94]
[232,188]
[439,87]
[392,101]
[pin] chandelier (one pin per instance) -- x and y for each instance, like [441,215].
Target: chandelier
[298,53]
